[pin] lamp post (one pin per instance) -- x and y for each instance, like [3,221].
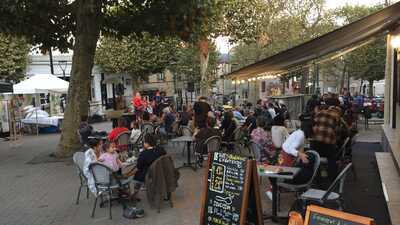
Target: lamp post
[63,66]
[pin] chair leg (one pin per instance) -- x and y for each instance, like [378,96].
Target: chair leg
[109,203]
[79,194]
[87,192]
[95,204]
[170,200]
[279,200]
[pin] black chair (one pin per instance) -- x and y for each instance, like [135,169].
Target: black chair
[323,198]
[106,184]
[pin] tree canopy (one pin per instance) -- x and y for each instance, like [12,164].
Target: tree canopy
[66,24]
[13,57]
[135,55]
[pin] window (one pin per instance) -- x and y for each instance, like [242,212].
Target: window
[263,86]
[161,76]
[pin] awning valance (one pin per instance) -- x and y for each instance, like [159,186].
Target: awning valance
[339,39]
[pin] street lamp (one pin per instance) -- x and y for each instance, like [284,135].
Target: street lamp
[396,41]
[63,66]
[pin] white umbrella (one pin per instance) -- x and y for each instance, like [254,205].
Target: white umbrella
[41,83]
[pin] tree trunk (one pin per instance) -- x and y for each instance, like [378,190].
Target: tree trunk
[371,88]
[88,14]
[205,83]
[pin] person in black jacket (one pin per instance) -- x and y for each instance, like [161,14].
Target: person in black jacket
[150,154]
[201,109]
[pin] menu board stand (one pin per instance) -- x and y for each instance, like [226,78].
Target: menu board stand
[322,216]
[231,195]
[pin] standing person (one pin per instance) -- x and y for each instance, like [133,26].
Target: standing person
[271,110]
[138,104]
[326,123]
[251,121]
[201,109]
[228,126]
[135,132]
[258,108]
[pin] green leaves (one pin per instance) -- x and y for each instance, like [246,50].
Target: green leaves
[13,57]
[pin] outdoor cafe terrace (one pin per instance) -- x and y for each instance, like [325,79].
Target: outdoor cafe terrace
[38,189]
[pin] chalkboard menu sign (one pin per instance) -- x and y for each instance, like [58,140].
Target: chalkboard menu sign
[231,196]
[322,216]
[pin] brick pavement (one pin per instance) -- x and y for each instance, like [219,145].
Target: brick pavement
[44,194]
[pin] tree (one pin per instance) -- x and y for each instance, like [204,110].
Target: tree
[286,25]
[13,57]
[368,61]
[76,25]
[138,56]
[187,63]
[238,19]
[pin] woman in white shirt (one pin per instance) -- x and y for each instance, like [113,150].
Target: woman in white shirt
[91,155]
[279,132]
[135,132]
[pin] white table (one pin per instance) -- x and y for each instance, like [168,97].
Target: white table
[274,173]
[188,140]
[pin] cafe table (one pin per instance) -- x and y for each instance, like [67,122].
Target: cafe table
[188,140]
[274,173]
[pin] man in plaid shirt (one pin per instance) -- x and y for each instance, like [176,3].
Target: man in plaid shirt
[326,123]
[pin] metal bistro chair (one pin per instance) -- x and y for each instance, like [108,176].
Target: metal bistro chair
[123,140]
[186,131]
[300,188]
[136,146]
[106,184]
[321,197]
[255,150]
[79,159]
[213,144]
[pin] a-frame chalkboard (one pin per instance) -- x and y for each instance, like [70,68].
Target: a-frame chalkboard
[231,194]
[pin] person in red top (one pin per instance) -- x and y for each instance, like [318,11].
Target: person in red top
[138,104]
[116,131]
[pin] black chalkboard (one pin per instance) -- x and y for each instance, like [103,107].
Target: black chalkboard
[323,216]
[320,219]
[230,197]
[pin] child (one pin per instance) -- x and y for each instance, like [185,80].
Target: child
[135,132]
[110,158]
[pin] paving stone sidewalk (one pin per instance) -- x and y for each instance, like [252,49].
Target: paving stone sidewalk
[45,193]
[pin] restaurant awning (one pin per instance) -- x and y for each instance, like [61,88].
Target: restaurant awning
[346,36]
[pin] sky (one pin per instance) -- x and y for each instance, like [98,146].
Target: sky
[224,46]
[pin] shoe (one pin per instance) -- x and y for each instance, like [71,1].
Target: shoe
[269,195]
[133,213]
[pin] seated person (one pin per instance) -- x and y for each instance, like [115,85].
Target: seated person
[110,158]
[118,130]
[147,125]
[168,118]
[135,132]
[202,134]
[184,117]
[150,154]
[91,156]
[85,130]
[262,136]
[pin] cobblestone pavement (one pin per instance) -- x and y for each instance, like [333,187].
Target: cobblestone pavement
[44,193]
